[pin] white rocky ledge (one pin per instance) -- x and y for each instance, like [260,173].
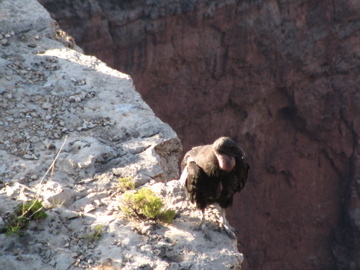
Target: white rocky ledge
[52,95]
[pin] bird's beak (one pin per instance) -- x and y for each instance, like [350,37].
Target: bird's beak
[240,153]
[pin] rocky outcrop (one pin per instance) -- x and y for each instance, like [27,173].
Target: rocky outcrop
[281,77]
[70,126]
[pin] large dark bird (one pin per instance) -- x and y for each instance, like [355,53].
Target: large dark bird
[212,174]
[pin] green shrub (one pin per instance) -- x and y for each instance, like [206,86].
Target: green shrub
[145,204]
[126,184]
[167,216]
[96,234]
[23,214]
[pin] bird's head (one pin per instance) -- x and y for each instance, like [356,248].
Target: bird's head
[226,150]
[226,146]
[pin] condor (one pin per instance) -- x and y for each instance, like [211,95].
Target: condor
[212,174]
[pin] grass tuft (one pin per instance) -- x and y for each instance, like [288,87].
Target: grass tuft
[167,216]
[96,234]
[145,204]
[126,184]
[23,214]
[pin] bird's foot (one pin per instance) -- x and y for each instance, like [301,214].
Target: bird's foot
[202,227]
[230,231]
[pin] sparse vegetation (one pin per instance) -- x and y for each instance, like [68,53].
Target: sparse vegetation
[23,214]
[96,234]
[145,204]
[167,216]
[126,184]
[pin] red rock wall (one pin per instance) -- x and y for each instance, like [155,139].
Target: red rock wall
[281,77]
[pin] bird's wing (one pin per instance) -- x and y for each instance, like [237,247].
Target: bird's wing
[194,174]
[239,175]
[203,156]
[200,187]
[233,182]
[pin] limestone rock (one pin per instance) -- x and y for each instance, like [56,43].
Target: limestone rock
[282,78]
[70,126]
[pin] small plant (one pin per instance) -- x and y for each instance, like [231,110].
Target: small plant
[167,216]
[126,184]
[145,204]
[96,234]
[23,214]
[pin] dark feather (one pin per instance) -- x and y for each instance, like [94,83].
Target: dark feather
[206,183]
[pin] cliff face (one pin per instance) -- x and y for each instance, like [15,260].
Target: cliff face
[70,127]
[281,78]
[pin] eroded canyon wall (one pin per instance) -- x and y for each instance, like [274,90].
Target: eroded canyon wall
[281,77]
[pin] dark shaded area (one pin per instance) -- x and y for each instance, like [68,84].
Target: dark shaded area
[279,77]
